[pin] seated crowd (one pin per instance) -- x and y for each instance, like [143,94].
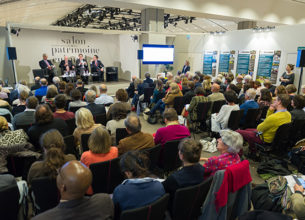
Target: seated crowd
[37,121]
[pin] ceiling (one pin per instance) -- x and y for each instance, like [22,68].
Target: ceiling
[45,13]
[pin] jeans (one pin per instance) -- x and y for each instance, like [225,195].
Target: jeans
[159,105]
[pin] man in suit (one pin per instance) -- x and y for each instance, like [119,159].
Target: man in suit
[186,67]
[96,109]
[66,65]
[47,66]
[82,67]
[97,67]
[216,94]
[73,180]
[137,140]
[28,116]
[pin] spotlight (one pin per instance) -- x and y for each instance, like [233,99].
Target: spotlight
[134,38]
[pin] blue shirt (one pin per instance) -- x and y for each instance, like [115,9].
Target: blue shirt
[42,91]
[247,105]
[104,99]
[135,193]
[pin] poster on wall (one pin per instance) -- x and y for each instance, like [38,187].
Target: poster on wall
[268,65]
[232,61]
[246,62]
[224,62]
[209,62]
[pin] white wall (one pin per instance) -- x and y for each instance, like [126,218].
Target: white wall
[113,50]
[6,71]
[284,38]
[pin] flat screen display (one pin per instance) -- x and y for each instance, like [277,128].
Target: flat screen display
[158,54]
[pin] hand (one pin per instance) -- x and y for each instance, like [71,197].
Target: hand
[272,108]
[49,67]
[204,159]
[163,99]
[298,188]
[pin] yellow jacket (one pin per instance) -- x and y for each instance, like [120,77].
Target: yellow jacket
[270,125]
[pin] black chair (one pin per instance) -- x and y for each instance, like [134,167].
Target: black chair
[84,142]
[280,143]
[234,119]
[251,118]
[46,194]
[70,146]
[217,106]
[9,202]
[148,92]
[106,176]
[188,201]
[71,125]
[202,114]
[179,104]
[20,166]
[120,133]
[154,211]
[297,131]
[263,112]
[170,160]
[24,127]
[7,117]
[74,109]
[100,119]
[153,154]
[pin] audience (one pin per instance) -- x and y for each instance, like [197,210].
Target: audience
[44,121]
[60,102]
[100,148]
[264,100]
[49,98]
[73,180]
[76,99]
[42,91]
[80,87]
[220,120]
[229,144]
[84,124]
[53,145]
[192,172]
[190,93]
[3,95]
[168,100]
[148,80]
[118,115]
[216,94]
[23,95]
[37,84]
[131,88]
[173,129]
[196,81]
[248,104]
[104,98]
[122,98]
[265,131]
[298,103]
[138,189]
[280,90]
[10,142]
[27,117]
[137,139]
[291,90]
[159,92]
[62,87]
[269,86]
[96,109]
[68,89]
[192,109]
[239,82]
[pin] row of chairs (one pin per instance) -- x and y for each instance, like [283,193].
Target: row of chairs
[106,175]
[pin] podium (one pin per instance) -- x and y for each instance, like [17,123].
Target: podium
[112,73]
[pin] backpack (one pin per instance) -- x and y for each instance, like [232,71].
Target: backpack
[274,167]
[152,119]
[298,159]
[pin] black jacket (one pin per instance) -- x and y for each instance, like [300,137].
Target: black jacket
[43,64]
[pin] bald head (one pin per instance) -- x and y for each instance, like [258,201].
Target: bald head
[73,180]
[103,88]
[215,87]
[37,79]
[133,78]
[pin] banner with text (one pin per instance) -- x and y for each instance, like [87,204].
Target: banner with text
[209,62]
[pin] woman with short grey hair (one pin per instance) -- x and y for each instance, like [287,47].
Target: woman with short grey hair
[229,144]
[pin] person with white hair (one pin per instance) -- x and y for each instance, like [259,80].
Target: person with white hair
[56,80]
[47,66]
[249,103]
[229,144]
[247,79]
